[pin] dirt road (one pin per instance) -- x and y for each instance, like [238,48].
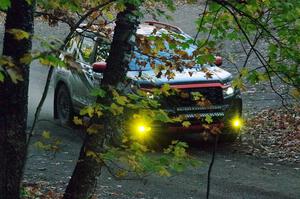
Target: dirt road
[235,175]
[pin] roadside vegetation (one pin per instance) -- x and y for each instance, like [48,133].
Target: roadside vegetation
[273,24]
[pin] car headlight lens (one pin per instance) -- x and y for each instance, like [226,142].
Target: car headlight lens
[150,95]
[228,91]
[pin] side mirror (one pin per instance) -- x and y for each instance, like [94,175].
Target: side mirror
[99,67]
[218,60]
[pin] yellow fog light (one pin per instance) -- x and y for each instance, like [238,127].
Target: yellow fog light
[237,123]
[141,130]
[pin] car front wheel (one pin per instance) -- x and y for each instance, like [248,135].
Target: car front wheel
[63,105]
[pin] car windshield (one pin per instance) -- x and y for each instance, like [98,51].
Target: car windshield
[141,62]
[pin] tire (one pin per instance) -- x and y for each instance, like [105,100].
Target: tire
[64,110]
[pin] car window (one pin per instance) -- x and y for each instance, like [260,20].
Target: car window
[139,62]
[86,49]
[72,46]
[102,51]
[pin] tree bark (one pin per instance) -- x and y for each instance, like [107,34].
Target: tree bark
[83,182]
[13,102]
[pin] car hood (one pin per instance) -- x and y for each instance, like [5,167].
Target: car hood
[189,76]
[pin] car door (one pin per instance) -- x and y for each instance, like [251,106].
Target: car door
[83,80]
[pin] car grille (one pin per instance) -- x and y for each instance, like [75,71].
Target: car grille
[213,96]
[191,109]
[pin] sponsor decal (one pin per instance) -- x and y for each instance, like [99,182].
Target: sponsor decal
[197,115]
[200,108]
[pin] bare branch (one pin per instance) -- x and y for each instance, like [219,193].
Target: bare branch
[201,22]
[52,16]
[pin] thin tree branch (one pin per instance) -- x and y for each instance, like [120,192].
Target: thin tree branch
[54,17]
[211,165]
[201,22]
[261,59]
[255,21]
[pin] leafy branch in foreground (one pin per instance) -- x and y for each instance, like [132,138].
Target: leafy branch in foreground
[272,22]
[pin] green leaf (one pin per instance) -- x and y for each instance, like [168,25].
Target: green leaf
[51,60]
[29,2]
[98,92]
[1,77]
[162,116]
[4,4]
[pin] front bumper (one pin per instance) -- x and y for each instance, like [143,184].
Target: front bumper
[221,115]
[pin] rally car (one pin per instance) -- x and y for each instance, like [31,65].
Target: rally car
[72,89]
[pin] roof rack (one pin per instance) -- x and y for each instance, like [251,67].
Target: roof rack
[164,25]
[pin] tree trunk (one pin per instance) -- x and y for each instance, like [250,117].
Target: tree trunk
[13,102]
[83,182]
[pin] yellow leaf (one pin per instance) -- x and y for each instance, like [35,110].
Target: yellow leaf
[44,61]
[94,128]
[14,75]
[244,72]
[18,33]
[186,124]
[120,7]
[6,61]
[115,109]
[91,154]
[39,145]
[296,93]
[88,110]
[165,88]
[110,16]
[122,100]
[239,84]
[121,173]
[26,59]
[46,134]
[77,121]
[208,119]
[164,172]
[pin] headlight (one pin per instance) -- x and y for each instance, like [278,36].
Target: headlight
[229,91]
[150,95]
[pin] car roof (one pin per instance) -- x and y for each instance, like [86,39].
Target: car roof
[145,28]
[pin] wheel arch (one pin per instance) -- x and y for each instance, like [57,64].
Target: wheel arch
[59,84]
